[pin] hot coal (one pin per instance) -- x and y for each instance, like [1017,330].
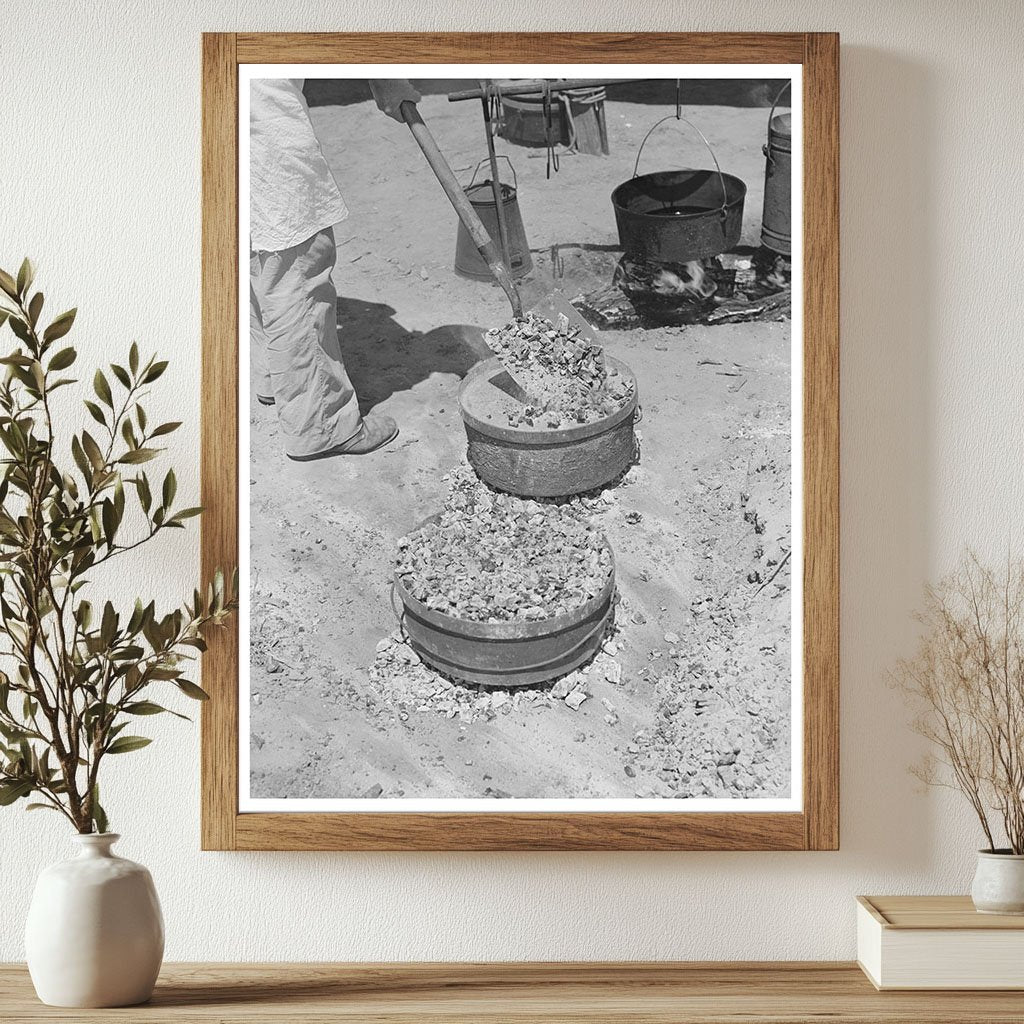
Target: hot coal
[565,376]
[493,557]
[729,288]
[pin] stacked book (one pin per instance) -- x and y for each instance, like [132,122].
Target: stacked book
[938,942]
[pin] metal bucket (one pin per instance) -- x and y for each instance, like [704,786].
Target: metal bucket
[678,216]
[525,122]
[543,463]
[776,229]
[468,261]
[574,119]
[506,654]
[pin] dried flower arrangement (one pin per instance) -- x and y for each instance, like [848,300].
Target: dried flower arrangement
[565,376]
[493,557]
[967,679]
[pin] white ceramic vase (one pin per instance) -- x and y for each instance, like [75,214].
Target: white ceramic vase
[999,883]
[95,934]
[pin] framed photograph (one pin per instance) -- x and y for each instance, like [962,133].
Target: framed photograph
[520,419]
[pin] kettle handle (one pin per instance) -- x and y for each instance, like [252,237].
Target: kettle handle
[486,159]
[673,117]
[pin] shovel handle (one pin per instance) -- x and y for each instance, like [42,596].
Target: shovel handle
[463,207]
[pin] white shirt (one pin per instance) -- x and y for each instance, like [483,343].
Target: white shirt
[292,193]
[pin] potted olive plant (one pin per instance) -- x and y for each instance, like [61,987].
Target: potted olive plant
[78,673]
[967,682]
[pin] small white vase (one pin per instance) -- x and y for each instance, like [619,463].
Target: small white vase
[999,883]
[95,934]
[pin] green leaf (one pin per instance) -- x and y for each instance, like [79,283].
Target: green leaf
[191,690]
[137,616]
[108,625]
[63,359]
[186,513]
[70,486]
[92,449]
[40,807]
[20,328]
[165,428]
[170,488]
[14,790]
[12,733]
[60,326]
[16,359]
[34,308]
[115,730]
[121,374]
[26,274]
[130,653]
[109,522]
[143,707]
[99,816]
[95,412]
[147,707]
[145,498]
[84,614]
[138,455]
[154,372]
[102,388]
[126,744]
[128,433]
[133,358]
[96,711]
[8,285]
[81,461]
[119,499]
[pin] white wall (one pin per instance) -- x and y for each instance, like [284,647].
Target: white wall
[99,181]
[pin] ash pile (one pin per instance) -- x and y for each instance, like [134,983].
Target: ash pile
[411,687]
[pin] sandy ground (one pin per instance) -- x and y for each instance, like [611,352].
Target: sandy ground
[691,696]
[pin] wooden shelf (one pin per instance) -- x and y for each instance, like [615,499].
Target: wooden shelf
[782,993]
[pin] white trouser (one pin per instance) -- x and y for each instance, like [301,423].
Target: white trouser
[294,333]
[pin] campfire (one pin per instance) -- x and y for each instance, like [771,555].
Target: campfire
[711,290]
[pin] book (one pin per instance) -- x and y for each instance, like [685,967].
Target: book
[938,942]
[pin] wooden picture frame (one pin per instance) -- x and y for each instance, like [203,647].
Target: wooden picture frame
[816,826]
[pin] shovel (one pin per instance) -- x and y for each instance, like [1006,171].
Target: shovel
[549,305]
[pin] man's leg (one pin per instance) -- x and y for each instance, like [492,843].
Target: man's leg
[297,304]
[257,336]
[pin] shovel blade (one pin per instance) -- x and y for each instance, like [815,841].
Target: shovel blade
[504,381]
[554,303]
[549,305]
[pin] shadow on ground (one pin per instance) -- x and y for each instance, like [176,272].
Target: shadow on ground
[382,357]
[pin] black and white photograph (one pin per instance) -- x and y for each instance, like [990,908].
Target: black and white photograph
[520,393]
